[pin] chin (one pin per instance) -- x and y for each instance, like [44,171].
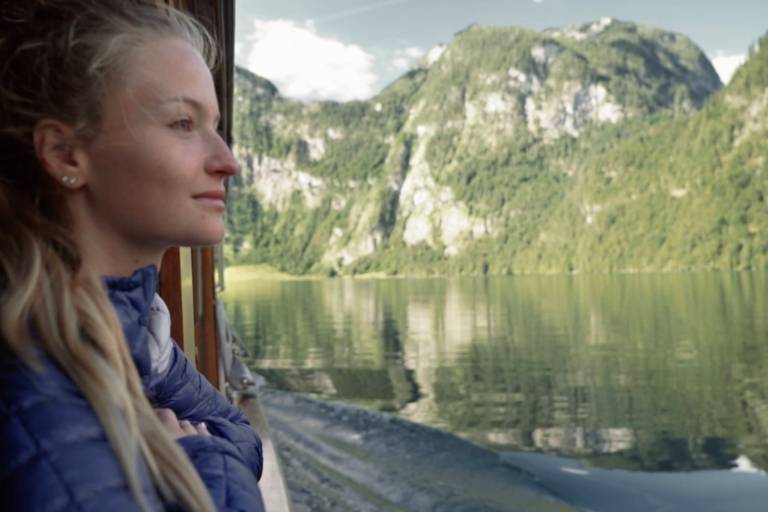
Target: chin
[204,239]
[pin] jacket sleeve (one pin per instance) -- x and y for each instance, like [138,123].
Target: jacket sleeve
[185,391]
[55,455]
[230,482]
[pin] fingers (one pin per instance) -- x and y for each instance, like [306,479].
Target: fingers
[187,428]
[181,428]
[202,429]
[166,416]
[194,430]
[170,423]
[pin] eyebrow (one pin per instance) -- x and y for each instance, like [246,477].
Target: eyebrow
[195,104]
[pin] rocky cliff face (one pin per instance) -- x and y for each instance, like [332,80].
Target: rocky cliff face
[464,158]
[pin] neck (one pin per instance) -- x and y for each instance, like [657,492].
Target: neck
[115,264]
[108,254]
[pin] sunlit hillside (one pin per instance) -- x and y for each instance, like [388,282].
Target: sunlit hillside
[602,147]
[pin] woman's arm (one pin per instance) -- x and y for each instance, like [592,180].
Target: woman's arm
[185,391]
[229,480]
[55,455]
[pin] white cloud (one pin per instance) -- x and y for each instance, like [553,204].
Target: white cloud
[401,63]
[306,65]
[405,58]
[413,52]
[726,65]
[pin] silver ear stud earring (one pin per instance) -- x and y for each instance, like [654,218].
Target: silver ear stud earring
[68,180]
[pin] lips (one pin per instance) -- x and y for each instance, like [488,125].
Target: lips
[212,198]
[211,194]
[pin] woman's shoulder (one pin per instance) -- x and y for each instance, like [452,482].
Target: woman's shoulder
[41,411]
[25,385]
[55,452]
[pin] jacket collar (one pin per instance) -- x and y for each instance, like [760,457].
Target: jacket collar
[132,296]
[143,279]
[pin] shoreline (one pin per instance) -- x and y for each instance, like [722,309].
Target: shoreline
[266,272]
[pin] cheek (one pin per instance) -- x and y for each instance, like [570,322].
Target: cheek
[142,172]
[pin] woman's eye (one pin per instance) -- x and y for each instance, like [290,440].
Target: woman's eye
[184,124]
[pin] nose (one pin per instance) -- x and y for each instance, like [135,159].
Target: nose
[221,160]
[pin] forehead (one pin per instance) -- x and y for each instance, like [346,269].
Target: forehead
[166,68]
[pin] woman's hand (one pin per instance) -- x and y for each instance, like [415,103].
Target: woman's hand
[181,428]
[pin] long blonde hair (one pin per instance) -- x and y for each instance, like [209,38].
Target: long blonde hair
[57,58]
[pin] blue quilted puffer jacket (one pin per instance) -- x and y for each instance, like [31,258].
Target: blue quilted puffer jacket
[53,451]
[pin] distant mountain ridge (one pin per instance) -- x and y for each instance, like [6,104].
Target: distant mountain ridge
[586,149]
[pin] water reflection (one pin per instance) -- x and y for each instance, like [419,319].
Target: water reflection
[652,372]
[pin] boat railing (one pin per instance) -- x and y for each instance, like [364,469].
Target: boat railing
[241,387]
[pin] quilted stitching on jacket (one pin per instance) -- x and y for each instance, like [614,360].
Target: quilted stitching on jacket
[55,455]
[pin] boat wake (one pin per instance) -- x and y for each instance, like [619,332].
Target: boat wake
[337,457]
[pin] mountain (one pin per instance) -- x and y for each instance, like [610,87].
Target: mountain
[600,147]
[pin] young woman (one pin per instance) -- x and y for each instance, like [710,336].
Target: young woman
[109,155]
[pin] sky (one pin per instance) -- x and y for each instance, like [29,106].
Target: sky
[351,49]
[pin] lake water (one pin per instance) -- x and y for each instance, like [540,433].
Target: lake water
[647,377]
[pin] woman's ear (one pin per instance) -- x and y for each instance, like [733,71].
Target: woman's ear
[61,153]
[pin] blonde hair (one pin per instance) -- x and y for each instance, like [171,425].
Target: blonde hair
[57,58]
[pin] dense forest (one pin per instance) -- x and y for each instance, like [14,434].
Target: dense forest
[606,147]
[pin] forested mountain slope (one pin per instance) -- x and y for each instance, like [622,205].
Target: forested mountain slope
[602,147]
